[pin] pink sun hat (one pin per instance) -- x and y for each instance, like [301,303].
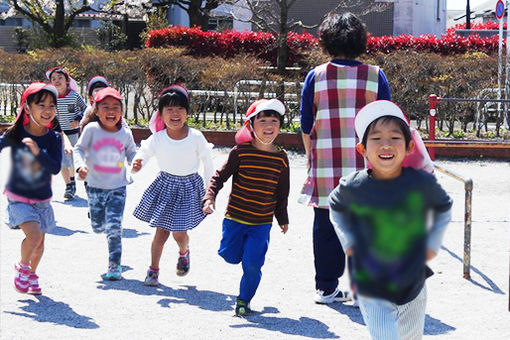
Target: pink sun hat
[32,89]
[72,83]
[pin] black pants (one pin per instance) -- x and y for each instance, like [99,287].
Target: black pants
[329,257]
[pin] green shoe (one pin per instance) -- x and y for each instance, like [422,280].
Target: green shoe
[114,272]
[242,308]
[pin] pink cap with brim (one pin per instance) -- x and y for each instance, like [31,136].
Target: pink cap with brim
[72,83]
[32,89]
[418,158]
[97,79]
[245,133]
[108,92]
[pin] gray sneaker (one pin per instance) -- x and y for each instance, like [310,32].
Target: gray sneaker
[336,296]
[151,279]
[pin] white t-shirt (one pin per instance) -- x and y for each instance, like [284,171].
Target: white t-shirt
[178,157]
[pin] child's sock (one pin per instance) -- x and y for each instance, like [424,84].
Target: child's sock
[152,269]
[184,254]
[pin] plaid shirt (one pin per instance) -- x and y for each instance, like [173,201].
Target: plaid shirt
[340,92]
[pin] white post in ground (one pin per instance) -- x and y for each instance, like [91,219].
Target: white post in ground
[507,85]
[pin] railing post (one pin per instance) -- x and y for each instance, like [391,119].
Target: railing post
[468,185]
[433,100]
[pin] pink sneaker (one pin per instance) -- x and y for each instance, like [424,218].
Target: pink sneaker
[33,284]
[21,278]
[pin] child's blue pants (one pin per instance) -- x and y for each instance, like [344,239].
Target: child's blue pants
[106,211]
[247,244]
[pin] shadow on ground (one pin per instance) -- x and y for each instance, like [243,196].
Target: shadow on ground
[203,299]
[77,201]
[348,310]
[436,327]
[62,231]
[492,286]
[47,310]
[303,326]
[132,233]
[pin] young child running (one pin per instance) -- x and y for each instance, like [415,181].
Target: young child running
[36,155]
[100,157]
[260,189]
[70,109]
[94,85]
[173,202]
[380,216]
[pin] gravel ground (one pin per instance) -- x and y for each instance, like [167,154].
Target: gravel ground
[77,304]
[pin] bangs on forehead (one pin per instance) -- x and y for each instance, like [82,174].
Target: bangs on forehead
[41,96]
[172,98]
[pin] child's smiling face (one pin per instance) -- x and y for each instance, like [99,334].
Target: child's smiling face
[109,112]
[385,149]
[175,117]
[59,81]
[42,112]
[266,127]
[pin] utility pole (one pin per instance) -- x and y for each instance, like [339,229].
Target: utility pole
[468,16]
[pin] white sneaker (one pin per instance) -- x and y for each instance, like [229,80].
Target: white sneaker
[336,296]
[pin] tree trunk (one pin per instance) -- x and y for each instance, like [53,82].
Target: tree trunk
[57,36]
[197,16]
[281,61]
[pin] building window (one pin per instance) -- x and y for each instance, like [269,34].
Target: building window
[12,22]
[81,23]
[220,24]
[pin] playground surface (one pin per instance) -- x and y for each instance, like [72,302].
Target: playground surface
[77,304]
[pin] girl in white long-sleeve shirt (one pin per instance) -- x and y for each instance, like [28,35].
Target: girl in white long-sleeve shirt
[173,202]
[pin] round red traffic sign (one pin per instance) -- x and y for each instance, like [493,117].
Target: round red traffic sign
[500,10]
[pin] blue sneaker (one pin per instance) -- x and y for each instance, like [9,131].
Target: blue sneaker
[114,272]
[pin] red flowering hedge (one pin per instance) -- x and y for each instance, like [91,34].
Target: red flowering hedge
[229,43]
[264,45]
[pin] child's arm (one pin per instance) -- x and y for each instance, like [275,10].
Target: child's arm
[436,233]
[282,198]
[82,106]
[342,228]
[442,204]
[217,180]
[51,158]
[146,151]
[79,152]
[130,147]
[204,153]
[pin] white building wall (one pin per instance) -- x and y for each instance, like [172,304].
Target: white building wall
[417,17]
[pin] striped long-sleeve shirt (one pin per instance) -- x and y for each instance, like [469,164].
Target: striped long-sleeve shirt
[70,107]
[260,185]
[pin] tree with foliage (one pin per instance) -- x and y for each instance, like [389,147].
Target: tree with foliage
[55,17]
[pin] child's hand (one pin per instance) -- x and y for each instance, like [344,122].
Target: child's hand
[32,145]
[209,207]
[430,254]
[350,251]
[83,171]
[74,124]
[137,165]
[284,228]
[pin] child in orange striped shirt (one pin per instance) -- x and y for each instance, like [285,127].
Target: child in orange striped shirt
[260,190]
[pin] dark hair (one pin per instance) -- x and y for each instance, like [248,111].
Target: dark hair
[96,85]
[343,35]
[14,132]
[172,97]
[406,131]
[268,113]
[61,72]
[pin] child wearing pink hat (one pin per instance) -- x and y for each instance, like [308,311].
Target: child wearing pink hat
[260,190]
[382,216]
[36,155]
[70,110]
[100,158]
